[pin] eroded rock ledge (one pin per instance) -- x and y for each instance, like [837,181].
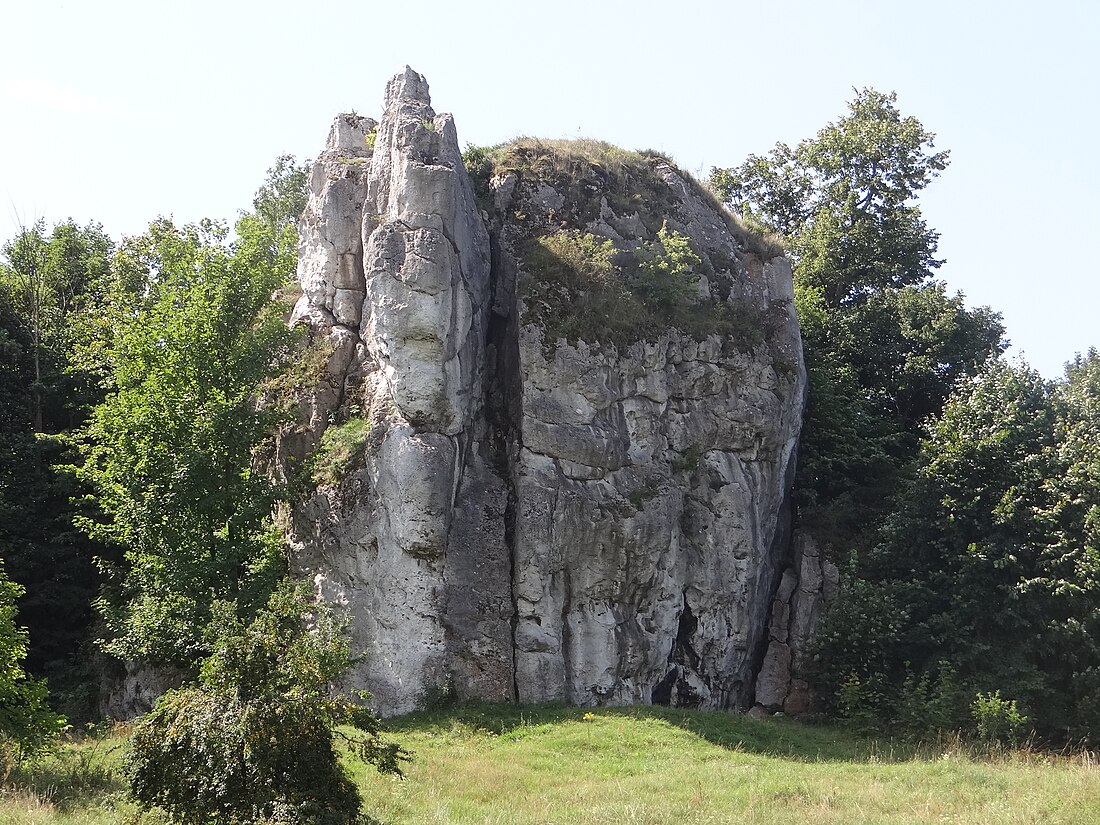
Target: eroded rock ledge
[541,511]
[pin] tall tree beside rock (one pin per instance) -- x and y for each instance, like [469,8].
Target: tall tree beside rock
[884,342]
[52,281]
[990,568]
[281,200]
[170,452]
[844,200]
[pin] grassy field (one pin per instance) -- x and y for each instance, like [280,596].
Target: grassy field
[493,764]
[78,785]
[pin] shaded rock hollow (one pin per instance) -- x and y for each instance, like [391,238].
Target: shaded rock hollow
[574,483]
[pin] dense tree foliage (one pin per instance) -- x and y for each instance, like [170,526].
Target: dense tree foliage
[152,357]
[844,200]
[884,342]
[991,564]
[26,723]
[170,451]
[878,371]
[53,284]
[959,492]
[52,296]
[281,200]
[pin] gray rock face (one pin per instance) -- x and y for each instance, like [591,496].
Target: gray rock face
[394,269]
[134,690]
[808,587]
[535,518]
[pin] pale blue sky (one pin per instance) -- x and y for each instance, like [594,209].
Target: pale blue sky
[121,111]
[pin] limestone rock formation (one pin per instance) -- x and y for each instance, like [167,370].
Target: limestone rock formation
[581,435]
[806,590]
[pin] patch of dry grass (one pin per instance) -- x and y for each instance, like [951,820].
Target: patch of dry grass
[78,784]
[567,162]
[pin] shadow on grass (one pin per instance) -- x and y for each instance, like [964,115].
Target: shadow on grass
[777,737]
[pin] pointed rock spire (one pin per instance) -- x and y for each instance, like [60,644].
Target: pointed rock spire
[407,85]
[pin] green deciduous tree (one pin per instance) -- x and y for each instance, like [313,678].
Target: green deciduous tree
[28,284]
[171,451]
[668,274]
[282,198]
[844,199]
[929,467]
[991,562]
[51,280]
[52,287]
[884,343]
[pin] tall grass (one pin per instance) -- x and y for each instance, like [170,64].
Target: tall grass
[78,784]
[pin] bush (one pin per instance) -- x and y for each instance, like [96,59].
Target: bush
[930,704]
[254,741]
[579,286]
[667,274]
[578,260]
[860,704]
[573,288]
[998,720]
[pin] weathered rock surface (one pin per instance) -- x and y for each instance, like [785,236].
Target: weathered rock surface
[534,517]
[805,592]
[133,689]
[394,269]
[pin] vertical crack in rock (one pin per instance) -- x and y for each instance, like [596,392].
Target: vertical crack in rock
[533,510]
[809,585]
[503,389]
[765,611]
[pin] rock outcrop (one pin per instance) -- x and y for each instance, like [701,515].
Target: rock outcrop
[575,479]
[806,590]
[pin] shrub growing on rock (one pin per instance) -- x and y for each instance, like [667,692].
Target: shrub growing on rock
[667,274]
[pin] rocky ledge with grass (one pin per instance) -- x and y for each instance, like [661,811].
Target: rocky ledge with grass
[583,381]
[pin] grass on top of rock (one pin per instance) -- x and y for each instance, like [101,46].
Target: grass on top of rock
[580,287]
[586,170]
[571,160]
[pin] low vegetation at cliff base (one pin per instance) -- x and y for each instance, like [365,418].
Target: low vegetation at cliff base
[27,724]
[256,739]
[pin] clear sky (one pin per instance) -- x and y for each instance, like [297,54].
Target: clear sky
[120,111]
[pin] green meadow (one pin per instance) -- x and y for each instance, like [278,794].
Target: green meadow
[651,766]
